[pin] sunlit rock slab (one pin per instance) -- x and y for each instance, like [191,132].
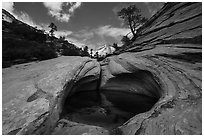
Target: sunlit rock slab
[170,47]
[31,91]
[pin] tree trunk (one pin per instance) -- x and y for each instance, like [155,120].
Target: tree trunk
[131,28]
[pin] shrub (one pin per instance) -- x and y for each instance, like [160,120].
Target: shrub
[125,40]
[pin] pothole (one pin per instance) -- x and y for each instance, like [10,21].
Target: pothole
[113,105]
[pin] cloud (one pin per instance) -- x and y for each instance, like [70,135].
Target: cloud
[74,6]
[84,34]
[63,33]
[113,32]
[24,17]
[97,37]
[93,38]
[82,37]
[55,6]
[75,41]
[9,6]
[62,11]
[110,35]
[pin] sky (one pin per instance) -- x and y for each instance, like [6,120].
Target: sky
[93,24]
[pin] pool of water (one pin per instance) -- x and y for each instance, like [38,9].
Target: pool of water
[108,118]
[109,110]
[110,106]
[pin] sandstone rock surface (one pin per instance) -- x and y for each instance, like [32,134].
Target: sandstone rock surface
[158,78]
[33,93]
[169,46]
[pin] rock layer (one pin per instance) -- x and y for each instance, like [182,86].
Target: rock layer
[169,46]
[162,68]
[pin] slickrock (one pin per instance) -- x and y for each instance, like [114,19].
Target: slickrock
[157,80]
[169,46]
[33,94]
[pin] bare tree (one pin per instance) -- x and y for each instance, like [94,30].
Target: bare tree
[132,17]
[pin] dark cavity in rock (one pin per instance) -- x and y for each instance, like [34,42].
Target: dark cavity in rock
[115,103]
